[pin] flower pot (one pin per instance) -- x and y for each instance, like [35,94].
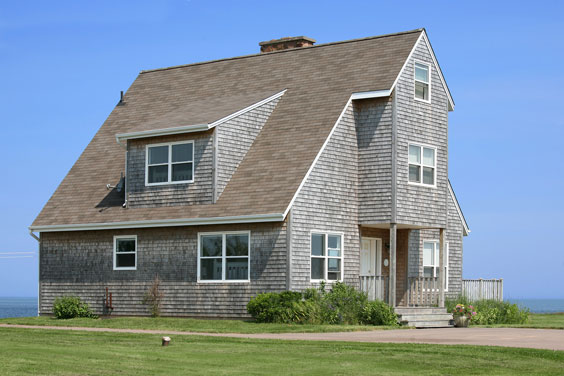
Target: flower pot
[461,321]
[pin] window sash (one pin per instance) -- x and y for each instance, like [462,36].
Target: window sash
[422,81]
[435,260]
[418,166]
[119,254]
[170,163]
[225,273]
[327,255]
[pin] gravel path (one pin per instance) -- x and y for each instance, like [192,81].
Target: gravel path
[551,339]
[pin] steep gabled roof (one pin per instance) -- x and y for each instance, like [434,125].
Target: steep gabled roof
[318,80]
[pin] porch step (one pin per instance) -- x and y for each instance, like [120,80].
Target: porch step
[424,317]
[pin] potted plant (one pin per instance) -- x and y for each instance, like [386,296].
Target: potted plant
[463,315]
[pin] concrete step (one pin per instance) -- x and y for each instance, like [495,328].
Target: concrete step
[428,317]
[430,324]
[417,310]
[424,317]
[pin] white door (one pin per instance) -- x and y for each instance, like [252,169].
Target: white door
[371,257]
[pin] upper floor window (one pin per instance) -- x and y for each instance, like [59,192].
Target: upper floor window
[422,85]
[170,163]
[326,257]
[125,252]
[422,164]
[431,268]
[224,256]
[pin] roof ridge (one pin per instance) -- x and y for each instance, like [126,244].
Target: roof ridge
[283,51]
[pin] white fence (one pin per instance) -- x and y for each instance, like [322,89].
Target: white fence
[476,289]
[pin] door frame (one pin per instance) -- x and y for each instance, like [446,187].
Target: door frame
[377,253]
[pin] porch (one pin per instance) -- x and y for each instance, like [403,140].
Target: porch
[392,267]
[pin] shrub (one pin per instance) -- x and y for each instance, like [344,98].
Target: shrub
[340,305]
[489,312]
[378,313]
[153,297]
[68,307]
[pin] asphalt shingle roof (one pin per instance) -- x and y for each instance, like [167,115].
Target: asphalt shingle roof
[319,81]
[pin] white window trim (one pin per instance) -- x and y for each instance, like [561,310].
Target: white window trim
[326,257]
[421,184]
[447,254]
[116,238]
[223,257]
[428,65]
[169,163]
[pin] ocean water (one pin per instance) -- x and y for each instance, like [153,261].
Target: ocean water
[18,307]
[540,305]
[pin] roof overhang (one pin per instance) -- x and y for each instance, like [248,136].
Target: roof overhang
[258,218]
[123,137]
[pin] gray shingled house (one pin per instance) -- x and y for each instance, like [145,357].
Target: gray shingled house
[303,163]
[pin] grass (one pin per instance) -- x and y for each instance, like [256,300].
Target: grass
[48,352]
[537,321]
[190,325]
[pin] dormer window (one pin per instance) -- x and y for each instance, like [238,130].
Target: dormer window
[422,85]
[170,163]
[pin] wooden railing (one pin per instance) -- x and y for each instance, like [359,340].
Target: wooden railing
[376,287]
[422,291]
[476,289]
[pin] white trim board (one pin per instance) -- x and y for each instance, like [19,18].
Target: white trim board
[459,210]
[275,217]
[120,137]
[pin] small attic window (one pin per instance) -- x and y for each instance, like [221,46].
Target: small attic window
[170,163]
[422,84]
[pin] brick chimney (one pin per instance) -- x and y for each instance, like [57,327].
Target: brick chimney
[286,43]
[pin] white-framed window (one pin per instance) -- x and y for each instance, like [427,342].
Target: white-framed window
[224,256]
[326,256]
[125,252]
[431,251]
[170,163]
[422,75]
[422,164]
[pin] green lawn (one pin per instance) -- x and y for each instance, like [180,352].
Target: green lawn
[50,352]
[538,321]
[189,325]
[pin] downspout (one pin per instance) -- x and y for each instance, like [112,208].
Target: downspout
[38,270]
[393,219]
[289,250]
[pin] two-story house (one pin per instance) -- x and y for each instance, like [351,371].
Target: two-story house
[276,171]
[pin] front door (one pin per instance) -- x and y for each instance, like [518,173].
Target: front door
[371,257]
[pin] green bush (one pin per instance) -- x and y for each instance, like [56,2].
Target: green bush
[340,305]
[378,313]
[69,307]
[489,312]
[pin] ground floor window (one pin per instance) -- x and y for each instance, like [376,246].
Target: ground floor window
[326,257]
[125,252]
[223,256]
[431,251]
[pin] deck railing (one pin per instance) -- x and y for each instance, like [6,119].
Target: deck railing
[476,289]
[376,287]
[422,291]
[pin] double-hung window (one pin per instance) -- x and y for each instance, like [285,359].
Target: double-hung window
[422,164]
[125,252]
[431,268]
[224,256]
[326,257]
[170,163]
[422,85]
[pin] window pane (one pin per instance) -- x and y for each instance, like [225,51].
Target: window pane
[428,175]
[421,72]
[421,90]
[317,245]
[125,245]
[182,171]
[317,268]
[414,154]
[237,268]
[437,253]
[428,253]
[125,260]
[428,271]
[158,154]
[237,245]
[334,245]
[158,174]
[429,157]
[211,245]
[414,174]
[210,269]
[334,265]
[182,153]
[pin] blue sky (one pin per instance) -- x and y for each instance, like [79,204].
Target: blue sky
[62,65]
